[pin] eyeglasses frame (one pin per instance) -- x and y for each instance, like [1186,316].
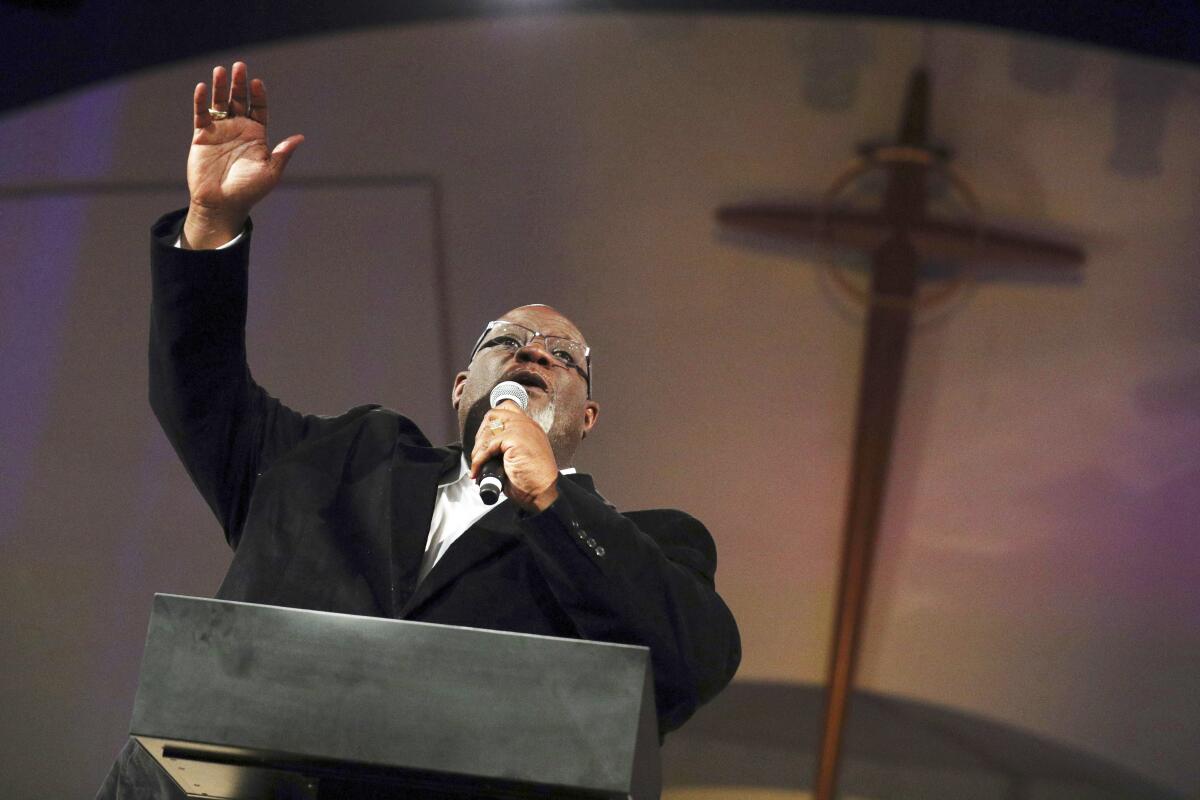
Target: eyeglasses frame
[587,351]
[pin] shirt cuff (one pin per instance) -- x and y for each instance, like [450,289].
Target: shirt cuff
[230,243]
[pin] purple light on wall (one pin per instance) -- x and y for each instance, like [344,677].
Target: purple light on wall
[43,240]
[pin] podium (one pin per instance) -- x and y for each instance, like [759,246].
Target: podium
[253,702]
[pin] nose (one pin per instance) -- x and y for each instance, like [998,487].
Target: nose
[534,352]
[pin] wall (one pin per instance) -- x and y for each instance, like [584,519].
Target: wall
[1038,560]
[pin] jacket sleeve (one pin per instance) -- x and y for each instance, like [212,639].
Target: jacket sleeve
[224,426]
[645,578]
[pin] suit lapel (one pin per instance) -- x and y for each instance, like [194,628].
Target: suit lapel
[415,473]
[494,531]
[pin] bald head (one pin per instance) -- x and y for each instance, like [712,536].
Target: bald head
[545,319]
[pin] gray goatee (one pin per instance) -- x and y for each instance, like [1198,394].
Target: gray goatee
[544,416]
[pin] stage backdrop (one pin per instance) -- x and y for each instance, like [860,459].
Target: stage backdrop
[1038,561]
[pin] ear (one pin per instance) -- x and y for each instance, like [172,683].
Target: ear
[591,413]
[456,392]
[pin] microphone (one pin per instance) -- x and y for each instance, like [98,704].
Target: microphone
[491,475]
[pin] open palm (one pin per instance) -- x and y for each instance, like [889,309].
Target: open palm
[230,166]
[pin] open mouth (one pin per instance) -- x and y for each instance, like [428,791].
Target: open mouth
[529,379]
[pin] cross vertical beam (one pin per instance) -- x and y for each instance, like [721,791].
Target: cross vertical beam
[893,295]
[885,353]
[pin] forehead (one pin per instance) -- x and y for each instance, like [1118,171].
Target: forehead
[545,319]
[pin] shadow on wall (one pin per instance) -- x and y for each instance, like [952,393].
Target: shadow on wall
[834,57]
[1142,95]
[759,740]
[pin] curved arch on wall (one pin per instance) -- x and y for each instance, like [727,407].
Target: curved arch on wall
[758,741]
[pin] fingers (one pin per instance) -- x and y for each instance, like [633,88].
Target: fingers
[200,116]
[481,457]
[493,441]
[239,90]
[258,101]
[489,440]
[488,444]
[220,89]
[232,92]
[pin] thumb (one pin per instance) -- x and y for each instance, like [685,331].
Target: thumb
[283,152]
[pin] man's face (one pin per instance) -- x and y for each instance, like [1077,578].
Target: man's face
[557,394]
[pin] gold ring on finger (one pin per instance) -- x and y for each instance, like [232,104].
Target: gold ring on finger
[217,113]
[496,425]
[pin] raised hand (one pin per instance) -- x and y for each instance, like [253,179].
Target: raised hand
[230,167]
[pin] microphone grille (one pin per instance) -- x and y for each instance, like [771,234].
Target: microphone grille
[510,390]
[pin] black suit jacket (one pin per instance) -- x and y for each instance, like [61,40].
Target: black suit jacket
[333,513]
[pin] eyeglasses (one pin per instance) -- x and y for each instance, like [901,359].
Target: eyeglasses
[512,336]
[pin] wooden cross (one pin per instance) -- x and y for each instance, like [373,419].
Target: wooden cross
[898,237]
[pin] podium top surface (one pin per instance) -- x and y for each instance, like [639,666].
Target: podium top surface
[337,688]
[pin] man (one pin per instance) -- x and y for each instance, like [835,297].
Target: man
[359,513]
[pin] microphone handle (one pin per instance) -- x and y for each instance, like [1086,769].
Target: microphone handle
[491,480]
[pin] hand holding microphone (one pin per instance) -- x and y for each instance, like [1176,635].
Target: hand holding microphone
[512,453]
[491,474]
